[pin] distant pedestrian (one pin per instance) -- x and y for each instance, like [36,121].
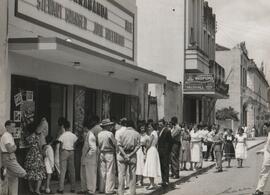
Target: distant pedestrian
[196,147]
[128,142]
[107,148]
[67,140]
[240,147]
[265,170]
[185,148]
[228,147]
[9,160]
[217,146]
[152,168]
[88,161]
[164,149]
[209,138]
[176,145]
[141,154]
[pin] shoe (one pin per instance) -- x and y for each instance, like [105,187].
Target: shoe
[72,191]
[150,187]
[165,184]
[258,193]
[82,192]
[60,191]
[176,177]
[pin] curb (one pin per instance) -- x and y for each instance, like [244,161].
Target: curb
[184,179]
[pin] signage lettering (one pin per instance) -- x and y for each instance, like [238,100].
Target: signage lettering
[98,29]
[51,7]
[114,37]
[128,26]
[75,19]
[94,7]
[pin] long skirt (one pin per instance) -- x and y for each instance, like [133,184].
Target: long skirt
[185,151]
[241,151]
[196,152]
[152,163]
[140,162]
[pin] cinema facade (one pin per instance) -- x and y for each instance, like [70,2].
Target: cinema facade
[73,59]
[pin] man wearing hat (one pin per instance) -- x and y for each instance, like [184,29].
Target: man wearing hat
[107,148]
[9,161]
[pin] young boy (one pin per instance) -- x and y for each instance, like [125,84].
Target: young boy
[49,162]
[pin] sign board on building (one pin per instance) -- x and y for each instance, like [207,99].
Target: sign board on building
[103,24]
[199,82]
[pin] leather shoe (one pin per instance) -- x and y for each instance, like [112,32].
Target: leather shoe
[60,192]
[176,177]
[258,193]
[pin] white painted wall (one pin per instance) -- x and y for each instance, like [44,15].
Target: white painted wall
[161,37]
[4,68]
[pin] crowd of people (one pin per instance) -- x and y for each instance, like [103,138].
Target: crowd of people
[119,155]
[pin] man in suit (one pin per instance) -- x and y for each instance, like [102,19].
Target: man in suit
[164,150]
[176,138]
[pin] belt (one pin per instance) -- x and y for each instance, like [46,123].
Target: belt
[6,153]
[68,150]
[107,152]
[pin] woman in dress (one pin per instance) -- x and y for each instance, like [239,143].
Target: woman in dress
[152,163]
[240,147]
[185,149]
[195,147]
[141,154]
[228,147]
[34,164]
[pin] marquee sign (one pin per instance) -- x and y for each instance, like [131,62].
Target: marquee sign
[199,82]
[103,24]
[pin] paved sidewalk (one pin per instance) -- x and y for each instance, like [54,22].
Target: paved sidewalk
[184,175]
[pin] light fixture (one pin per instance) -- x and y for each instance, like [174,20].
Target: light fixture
[68,40]
[136,80]
[76,65]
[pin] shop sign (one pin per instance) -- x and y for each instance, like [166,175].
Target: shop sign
[199,83]
[100,23]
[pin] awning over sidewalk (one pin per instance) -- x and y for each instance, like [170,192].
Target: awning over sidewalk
[60,51]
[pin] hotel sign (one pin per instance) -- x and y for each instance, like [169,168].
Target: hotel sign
[199,83]
[103,24]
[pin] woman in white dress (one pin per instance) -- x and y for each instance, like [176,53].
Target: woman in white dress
[141,154]
[152,163]
[195,147]
[240,147]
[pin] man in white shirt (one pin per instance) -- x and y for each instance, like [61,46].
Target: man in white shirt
[265,170]
[67,140]
[9,161]
[88,161]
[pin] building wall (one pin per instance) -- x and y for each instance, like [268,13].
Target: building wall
[231,60]
[4,68]
[161,37]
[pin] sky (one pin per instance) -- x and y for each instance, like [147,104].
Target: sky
[245,20]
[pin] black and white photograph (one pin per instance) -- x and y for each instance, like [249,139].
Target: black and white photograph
[135,97]
[17,116]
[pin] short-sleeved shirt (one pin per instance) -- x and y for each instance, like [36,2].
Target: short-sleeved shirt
[128,139]
[68,140]
[106,141]
[6,139]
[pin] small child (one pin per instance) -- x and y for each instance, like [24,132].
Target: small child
[49,162]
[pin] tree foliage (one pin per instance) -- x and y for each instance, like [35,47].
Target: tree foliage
[227,113]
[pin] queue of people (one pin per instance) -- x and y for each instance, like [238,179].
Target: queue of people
[118,155]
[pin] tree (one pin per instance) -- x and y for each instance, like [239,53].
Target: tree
[227,113]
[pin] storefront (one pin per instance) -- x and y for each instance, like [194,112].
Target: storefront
[200,94]
[72,60]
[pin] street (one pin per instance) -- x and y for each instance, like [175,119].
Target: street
[233,181]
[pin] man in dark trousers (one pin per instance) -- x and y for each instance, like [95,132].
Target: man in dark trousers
[176,137]
[164,150]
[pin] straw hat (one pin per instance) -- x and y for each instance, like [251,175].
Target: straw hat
[106,122]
